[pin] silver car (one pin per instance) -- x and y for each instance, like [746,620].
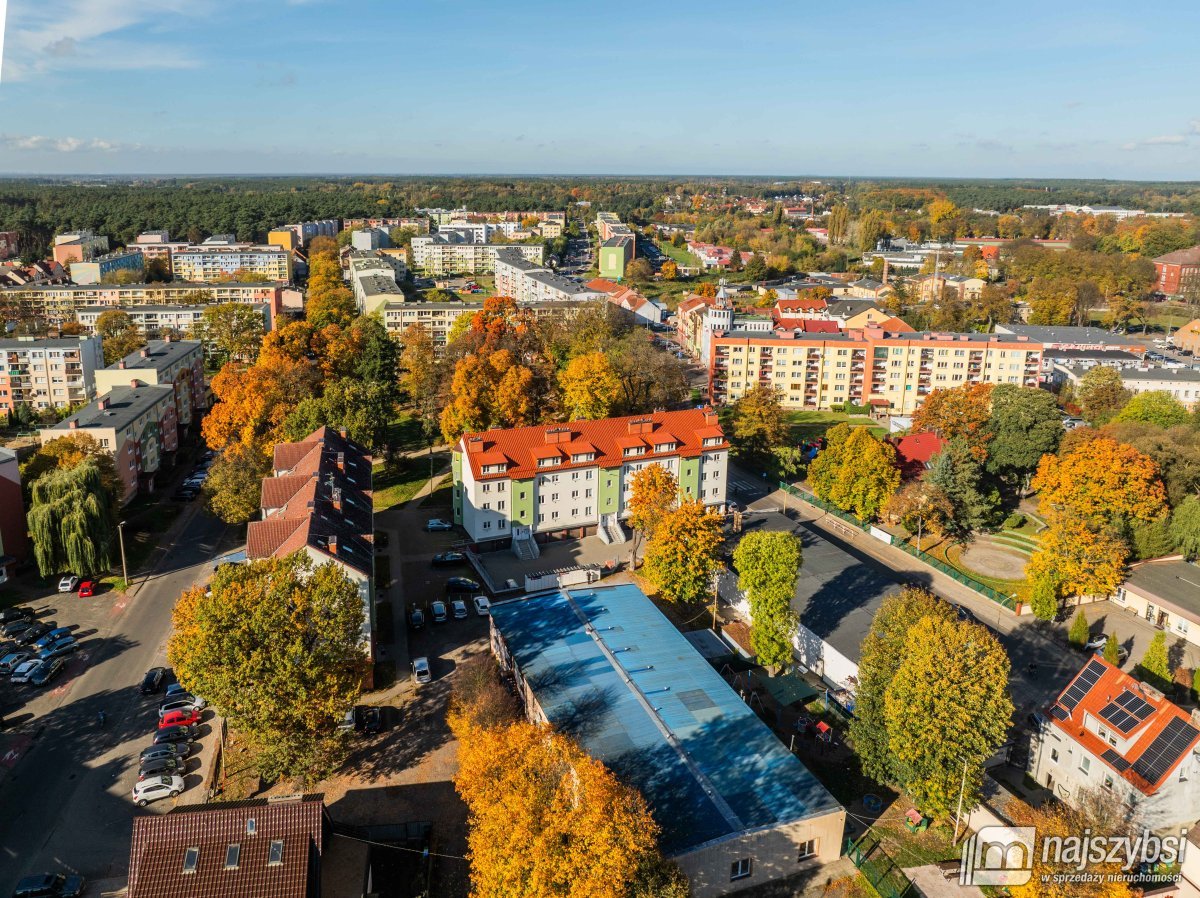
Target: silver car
[421,672]
[156,787]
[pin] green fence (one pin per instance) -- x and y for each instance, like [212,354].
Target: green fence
[1000,598]
[878,868]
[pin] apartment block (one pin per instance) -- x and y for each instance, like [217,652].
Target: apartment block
[14,539]
[452,252]
[100,269]
[1182,383]
[217,261]
[161,322]
[892,372]
[318,501]
[1178,273]
[577,477]
[418,224]
[305,231]
[618,246]
[369,239]
[77,246]
[48,373]
[175,363]
[438,317]
[525,281]
[56,304]
[136,423]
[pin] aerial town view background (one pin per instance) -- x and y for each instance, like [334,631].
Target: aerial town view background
[559,482]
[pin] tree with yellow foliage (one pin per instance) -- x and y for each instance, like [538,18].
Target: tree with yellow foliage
[682,555]
[1101,482]
[1080,558]
[590,387]
[654,494]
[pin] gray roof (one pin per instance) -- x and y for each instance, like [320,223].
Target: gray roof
[124,405]
[1163,375]
[44,343]
[158,355]
[609,669]
[850,307]
[514,257]
[1174,582]
[1099,355]
[1064,334]
[379,284]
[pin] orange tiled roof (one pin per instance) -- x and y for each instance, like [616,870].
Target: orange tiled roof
[801,305]
[1146,755]
[897,326]
[523,446]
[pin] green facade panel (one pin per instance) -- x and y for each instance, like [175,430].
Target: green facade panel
[610,490]
[689,478]
[456,462]
[522,502]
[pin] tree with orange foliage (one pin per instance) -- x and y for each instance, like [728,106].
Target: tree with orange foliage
[253,402]
[500,317]
[489,389]
[1101,482]
[707,289]
[1079,558]
[958,412]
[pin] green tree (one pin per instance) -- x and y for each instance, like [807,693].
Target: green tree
[379,358]
[1079,632]
[119,336]
[682,556]
[959,474]
[230,331]
[363,408]
[233,489]
[768,565]
[883,650]
[71,521]
[756,268]
[855,471]
[1112,650]
[1101,394]
[759,423]
[1024,425]
[1155,666]
[1185,526]
[67,452]
[275,647]
[1150,539]
[1156,407]
[947,710]
[1045,595]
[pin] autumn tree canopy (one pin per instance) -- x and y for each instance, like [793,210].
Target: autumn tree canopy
[682,556]
[855,471]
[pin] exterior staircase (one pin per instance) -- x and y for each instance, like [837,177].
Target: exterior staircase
[610,530]
[524,546]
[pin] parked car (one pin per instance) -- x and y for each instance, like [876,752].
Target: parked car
[461,584]
[53,636]
[49,885]
[175,688]
[438,524]
[175,734]
[369,719]
[421,672]
[36,632]
[416,618]
[17,612]
[1096,642]
[181,702]
[17,626]
[483,607]
[48,670]
[25,670]
[152,681]
[12,661]
[459,609]
[180,718]
[185,493]
[438,609]
[68,583]
[445,559]
[88,588]
[154,788]
[60,648]
[162,765]
[178,750]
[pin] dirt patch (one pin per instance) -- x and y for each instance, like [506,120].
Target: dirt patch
[993,561]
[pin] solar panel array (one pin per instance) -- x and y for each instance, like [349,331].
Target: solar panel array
[1165,751]
[1127,711]
[1059,713]
[1116,760]
[1088,677]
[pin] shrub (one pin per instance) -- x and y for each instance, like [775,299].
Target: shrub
[1014,521]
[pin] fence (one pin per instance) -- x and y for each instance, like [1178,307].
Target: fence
[1000,598]
[879,869]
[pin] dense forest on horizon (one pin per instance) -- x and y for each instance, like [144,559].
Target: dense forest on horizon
[38,208]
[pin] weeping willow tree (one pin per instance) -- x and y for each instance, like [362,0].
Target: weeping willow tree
[71,521]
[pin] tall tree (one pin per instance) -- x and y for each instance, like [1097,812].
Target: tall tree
[254,402]
[71,521]
[759,423]
[1082,558]
[768,565]
[654,495]
[1101,394]
[68,452]
[962,411]
[682,556]
[1185,526]
[275,647]
[233,489]
[883,650]
[958,473]
[230,332]
[855,471]
[1024,424]
[119,336]
[1156,407]
[921,508]
[1101,481]
[1155,665]
[590,387]
[363,408]
[947,711]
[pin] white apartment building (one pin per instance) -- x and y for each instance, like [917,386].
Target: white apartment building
[215,261]
[525,281]
[158,321]
[48,373]
[452,253]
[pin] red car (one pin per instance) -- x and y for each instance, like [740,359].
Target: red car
[179,718]
[88,588]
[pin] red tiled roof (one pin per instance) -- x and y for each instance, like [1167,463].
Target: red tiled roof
[1111,683]
[1190,256]
[809,325]
[897,326]
[160,843]
[801,305]
[606,438]
[264,538]
[277,491]
[916,450]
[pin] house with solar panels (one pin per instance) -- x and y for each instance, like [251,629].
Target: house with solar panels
[1111,733]
[736,808]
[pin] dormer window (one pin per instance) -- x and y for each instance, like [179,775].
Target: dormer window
[550,462]
[493,469]
[635,450]
[713,441]
[664,447]
[583,456]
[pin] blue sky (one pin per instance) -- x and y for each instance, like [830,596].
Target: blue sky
[786,88]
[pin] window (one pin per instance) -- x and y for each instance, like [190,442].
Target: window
[587,494]
[275,855]
[554,497]
[503,525]
[1054,755]
[807,849]
[487,505]
[487,487]
[574,494]
[487,525]
[500,486]
[1108,781]
[232,854]
[1085,765]
[739,869]
[191,859]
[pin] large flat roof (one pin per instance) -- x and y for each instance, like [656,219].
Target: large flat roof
[157,355]
[122,406]
[609,669]
[1175,581]
[1047,333]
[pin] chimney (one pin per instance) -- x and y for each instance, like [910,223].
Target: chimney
[475,444]
[332,546]
[885,272]
[102,404]
[341,463]
[336,496]
[145,353]
[73,424]
[134,384]
[344,433]
[710,416]
[121,364]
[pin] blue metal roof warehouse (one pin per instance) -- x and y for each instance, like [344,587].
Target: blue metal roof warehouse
[607,667]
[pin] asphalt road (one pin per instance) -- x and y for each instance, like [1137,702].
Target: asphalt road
[66,800]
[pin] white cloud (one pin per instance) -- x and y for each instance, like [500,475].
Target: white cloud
[39,143]
[1162,140]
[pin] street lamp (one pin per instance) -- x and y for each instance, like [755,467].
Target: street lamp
[121,539]
[961,789]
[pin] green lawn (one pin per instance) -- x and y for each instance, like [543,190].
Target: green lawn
[398,483]
[679,254]
[807,425]
[405,433]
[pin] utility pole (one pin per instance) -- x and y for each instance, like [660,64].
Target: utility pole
[121,539]
[958,814]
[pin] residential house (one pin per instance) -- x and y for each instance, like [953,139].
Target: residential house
[77,246]
[932,287]
[1165,592]
[100,269]
[527,282]
[459,252]
[576,477]
[736,808]
[48,373]
[640,309]
[1109,733]
[915,451]
[175,363]
[1182,383]
[158,322]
